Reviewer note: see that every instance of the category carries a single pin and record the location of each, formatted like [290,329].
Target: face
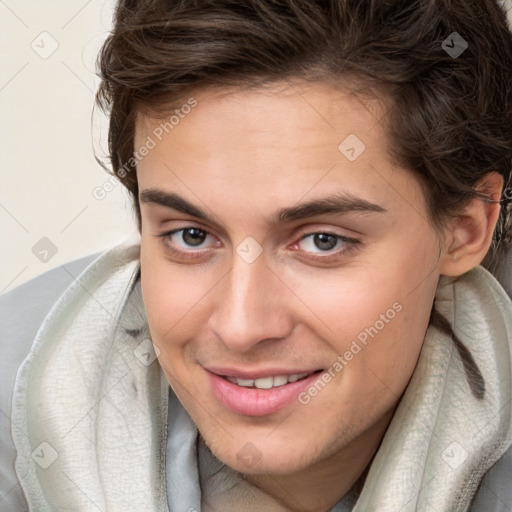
[281,324]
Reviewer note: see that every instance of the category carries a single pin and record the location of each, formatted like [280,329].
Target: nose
[251,306]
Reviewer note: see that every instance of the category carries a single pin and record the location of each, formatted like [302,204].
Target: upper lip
[240,373]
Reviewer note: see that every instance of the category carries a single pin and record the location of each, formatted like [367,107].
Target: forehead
[257,148]
[292,110]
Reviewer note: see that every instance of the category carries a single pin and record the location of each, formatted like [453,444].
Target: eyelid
[167,234]
[350,243]
[313,230]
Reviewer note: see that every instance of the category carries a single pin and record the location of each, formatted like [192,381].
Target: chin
[263,457]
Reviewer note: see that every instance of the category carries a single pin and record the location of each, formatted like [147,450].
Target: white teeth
[267,382]
[296,377]
[264,383]
[280,381]
[245,382]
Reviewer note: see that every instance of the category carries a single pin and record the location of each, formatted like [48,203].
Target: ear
[469,236]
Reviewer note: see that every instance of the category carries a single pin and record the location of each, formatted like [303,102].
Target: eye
[326,242]
[181,242]
[191,237]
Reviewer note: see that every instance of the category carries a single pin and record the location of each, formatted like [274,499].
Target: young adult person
[310,319]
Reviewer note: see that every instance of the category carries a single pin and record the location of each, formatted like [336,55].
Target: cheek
[165,297]
[375,320]
[393,336]
[174,301]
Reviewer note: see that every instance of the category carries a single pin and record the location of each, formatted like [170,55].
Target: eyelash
[350,243]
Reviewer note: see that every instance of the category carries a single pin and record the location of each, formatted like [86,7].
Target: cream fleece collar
[90,406]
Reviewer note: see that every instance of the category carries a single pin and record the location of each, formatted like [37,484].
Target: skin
[242,156]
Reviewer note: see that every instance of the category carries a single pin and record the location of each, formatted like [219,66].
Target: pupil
[193,236]
[320,241]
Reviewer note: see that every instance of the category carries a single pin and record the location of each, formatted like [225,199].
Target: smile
[268,382]
[255,395]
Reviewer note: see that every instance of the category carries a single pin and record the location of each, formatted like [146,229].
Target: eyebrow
[338,203]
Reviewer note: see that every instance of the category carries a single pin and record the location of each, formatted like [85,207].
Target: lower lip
[258,402]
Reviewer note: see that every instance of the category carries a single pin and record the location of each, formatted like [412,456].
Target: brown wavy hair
[449,121]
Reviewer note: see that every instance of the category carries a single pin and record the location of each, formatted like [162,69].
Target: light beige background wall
[48,214]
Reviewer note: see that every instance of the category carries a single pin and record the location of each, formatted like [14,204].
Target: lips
[259,393]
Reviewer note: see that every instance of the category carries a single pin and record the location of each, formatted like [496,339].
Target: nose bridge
[251,305]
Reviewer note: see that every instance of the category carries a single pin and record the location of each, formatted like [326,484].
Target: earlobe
[469,235]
